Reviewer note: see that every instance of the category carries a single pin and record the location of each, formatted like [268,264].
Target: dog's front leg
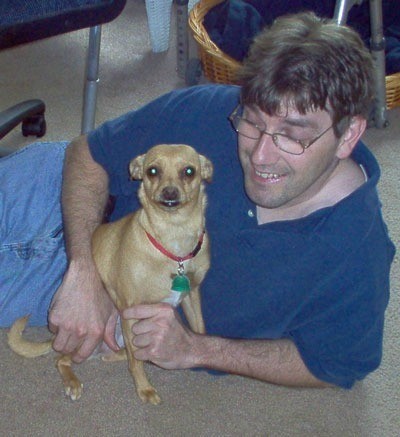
[145,390]
[192,308]
[72,385]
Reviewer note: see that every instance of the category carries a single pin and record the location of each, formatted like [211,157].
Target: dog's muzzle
[170,197]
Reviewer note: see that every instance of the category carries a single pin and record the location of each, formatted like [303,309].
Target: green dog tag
[181,284]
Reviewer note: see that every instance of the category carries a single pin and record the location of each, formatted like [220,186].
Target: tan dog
[140,256]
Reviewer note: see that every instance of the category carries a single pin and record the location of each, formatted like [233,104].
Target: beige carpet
[194,403]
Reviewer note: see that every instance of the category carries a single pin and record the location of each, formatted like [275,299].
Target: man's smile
[271,177]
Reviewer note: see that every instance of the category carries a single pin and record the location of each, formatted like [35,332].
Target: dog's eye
[189,172]
[152,171]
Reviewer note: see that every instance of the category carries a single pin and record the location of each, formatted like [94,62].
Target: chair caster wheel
[35,126]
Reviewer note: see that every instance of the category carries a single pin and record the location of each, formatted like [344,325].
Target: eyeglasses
[283,142]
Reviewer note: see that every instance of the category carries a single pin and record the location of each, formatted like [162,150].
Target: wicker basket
[218,67]
[393,91]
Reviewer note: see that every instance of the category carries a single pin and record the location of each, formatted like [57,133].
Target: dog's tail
[25,348]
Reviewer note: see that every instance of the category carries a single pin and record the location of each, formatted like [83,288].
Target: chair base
[30,113]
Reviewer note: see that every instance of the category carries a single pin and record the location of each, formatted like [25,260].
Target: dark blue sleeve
[339,330]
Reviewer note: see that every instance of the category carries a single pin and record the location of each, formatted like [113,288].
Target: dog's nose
[170,194]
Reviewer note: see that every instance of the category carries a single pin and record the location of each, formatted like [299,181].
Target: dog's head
[172,174]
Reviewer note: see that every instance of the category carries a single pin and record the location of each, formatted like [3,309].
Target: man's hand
[161,337]
[82,314]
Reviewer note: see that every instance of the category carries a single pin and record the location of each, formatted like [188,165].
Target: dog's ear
[206,168]
[136,167]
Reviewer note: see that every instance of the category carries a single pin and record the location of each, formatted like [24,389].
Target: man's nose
[265,151]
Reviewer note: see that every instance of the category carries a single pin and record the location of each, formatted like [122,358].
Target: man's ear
[351,136]
[136,167]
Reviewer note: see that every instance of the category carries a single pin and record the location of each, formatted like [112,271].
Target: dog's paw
[149,395]
[74,390]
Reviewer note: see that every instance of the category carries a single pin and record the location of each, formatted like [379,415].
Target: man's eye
[152,171]
[296,134]
[253,119]
[257,127]
[189,172]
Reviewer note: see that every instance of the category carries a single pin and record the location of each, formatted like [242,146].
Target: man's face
[276,179]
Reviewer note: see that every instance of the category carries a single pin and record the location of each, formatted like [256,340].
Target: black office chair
[23,21]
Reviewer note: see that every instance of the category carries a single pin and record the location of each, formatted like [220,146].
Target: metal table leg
[377,47]
[92,80]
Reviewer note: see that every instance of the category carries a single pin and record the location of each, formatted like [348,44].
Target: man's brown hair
[309,63]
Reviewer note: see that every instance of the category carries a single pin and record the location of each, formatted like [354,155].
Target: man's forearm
[273,361]
[81,311]
[84,196]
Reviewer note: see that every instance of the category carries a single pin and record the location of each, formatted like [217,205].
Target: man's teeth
[268,175]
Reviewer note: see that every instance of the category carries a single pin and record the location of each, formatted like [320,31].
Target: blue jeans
[32,253]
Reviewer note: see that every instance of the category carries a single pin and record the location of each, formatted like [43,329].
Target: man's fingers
[53,328]
[84,351]
[60,342]
[142,327]
[142,355]
[142,340]
[109,334]
[143,311]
